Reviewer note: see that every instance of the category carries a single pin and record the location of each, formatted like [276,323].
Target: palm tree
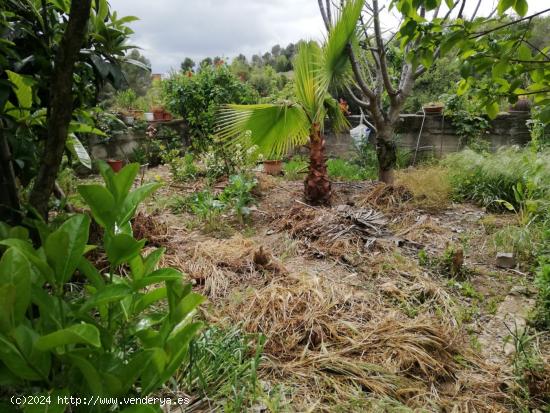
[276,128]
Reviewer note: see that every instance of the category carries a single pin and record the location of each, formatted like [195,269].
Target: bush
[198,97]
[221,160]
[105,336]
[182,168]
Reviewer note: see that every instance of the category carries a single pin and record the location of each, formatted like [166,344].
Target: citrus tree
[276,128]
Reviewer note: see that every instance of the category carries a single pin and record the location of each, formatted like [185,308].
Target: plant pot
[167,116]
[158,114]
[137,114]
[129,120]
[273,167]
[522,105]
[115,164]
[433,108]
[149,116]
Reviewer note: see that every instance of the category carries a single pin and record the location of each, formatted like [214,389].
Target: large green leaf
[101,202]
[25,338]
[65,246]
[78,150]
[90,373]
[23,92]
[158,276]
[336,62]
[274,128]
[15,274]
[15,362]
[132,201]
[108,294]
[121,248]
[75,334]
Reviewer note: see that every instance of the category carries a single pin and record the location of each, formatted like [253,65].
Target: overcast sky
[170,30]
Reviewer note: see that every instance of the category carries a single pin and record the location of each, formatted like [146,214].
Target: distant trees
[187,65]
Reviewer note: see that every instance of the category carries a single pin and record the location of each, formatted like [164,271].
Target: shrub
[107,336]
[198,97]
[182,168]
[221,160]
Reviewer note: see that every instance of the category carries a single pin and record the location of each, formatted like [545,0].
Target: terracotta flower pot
[433,108]
[115,164]
[167,116]
[273,167]
[158,114]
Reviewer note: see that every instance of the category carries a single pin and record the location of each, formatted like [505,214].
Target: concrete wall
[121,146]
[438,136]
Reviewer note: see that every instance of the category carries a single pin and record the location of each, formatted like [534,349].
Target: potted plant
[273,166]
[433,107]
[115,164]
[522,105]
[158,113]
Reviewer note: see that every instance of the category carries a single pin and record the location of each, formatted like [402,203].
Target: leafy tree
[187,65]
[206,62]
[424,36]
[51,70]
[197,98]
[275,128]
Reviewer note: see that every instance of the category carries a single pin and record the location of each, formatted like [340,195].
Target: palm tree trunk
[317,188]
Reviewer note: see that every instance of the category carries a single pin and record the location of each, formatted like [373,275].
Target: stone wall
[438,135]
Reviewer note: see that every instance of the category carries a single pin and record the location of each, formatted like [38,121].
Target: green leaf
[499,69]
[50,407]
[23,91]
[25,338]
[15,273]
[521,7]
[121,248]
[275,129]
[75,334]
[90,373]
[15,362]
[504,5]
[133,200]
[185,308]
[158,276]
[524,52]
[101,202]
[65,246]
[108,294]
[78,150]
[492,109]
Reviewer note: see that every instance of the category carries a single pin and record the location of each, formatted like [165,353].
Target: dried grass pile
[217,265]
[327,340]
[386,197]
[149,227]
[334,231]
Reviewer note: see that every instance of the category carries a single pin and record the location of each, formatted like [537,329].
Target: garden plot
[353,319]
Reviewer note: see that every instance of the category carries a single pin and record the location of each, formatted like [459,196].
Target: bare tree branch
[382,52]
[324,14]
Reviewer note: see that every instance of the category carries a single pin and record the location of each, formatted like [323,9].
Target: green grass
[222,369]
[339,169]
[295,169]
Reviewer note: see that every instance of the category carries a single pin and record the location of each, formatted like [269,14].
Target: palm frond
[307,66]
[336,62]
[335,114]
[274,128]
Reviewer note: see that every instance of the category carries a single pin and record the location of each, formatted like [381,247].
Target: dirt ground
[357,318]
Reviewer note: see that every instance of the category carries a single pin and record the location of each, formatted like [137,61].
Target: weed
[429,184]
[182,168]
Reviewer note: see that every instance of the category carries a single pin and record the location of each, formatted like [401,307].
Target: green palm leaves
[276,128]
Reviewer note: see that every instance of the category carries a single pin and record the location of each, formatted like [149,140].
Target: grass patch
[295,169]
[222,369]
[429,184]
[342,170]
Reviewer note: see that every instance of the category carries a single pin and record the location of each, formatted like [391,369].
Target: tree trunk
[9,196]
[386,152]
[317,188]
[61,104]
